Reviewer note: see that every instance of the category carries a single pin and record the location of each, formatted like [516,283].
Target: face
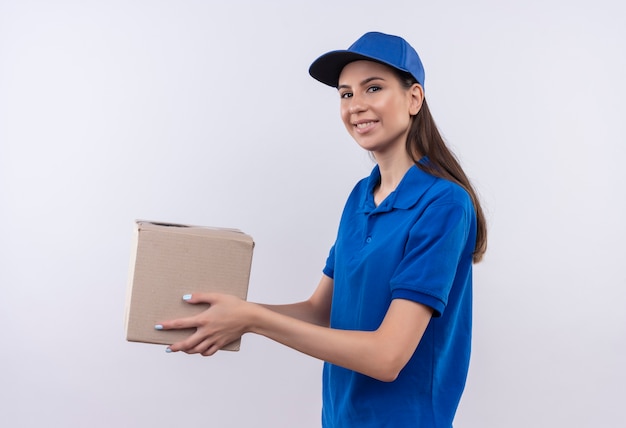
[375,108]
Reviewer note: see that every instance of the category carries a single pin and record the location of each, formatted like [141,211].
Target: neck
[392,170]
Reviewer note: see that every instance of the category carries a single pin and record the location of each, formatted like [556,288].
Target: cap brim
[327,67]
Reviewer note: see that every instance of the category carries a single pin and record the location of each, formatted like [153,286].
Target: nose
[357,104]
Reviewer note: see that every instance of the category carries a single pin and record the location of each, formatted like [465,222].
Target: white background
[203,112]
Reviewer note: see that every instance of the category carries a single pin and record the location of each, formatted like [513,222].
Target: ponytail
[424,139]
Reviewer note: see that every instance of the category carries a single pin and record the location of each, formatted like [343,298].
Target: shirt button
[368,239]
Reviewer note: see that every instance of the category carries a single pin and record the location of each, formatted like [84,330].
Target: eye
[345,94]
[374,88]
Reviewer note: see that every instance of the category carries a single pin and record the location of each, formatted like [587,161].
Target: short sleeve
[436,244]
[329,268]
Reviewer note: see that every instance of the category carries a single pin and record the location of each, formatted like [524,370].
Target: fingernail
[158,327]
[168,350]
[187,297]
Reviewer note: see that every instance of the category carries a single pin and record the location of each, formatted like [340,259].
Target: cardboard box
[171,260]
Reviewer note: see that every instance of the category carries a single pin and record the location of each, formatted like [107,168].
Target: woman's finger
[210,351]
[177,324]
[199,298]
[204,346]
[194,344]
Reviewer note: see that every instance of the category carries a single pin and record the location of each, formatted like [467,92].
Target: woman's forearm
[304,311]
[380,354]
[315,310]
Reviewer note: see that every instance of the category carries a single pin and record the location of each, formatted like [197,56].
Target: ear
[416,93]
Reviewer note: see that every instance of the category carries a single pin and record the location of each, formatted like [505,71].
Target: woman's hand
[222,323]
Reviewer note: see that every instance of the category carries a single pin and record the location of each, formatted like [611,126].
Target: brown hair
[424,139]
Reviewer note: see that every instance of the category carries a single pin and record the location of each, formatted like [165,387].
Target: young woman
[391,316]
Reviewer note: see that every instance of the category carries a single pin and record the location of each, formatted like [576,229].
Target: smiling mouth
[363,125]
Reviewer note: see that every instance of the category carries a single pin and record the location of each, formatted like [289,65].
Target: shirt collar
[411,188]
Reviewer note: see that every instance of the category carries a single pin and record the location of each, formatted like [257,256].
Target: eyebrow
[364,82]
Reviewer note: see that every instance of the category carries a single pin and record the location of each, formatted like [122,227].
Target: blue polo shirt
[416,245]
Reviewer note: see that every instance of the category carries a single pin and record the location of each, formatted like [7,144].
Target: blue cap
[390,50]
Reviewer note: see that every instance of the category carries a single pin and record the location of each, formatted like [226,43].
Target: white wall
[203,112]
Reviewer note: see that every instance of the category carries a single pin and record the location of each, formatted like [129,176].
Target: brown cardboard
[171,260]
